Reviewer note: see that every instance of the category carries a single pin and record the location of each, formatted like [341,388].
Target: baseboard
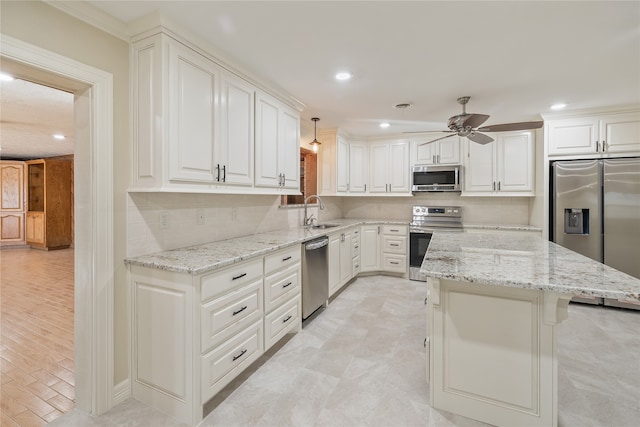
[121,392]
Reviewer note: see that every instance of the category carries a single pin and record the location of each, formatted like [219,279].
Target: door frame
[93,254]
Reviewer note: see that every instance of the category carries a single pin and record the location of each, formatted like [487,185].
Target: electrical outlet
[200,216]
[164,220]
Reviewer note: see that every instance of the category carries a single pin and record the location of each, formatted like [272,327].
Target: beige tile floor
[36,344]
[360,362]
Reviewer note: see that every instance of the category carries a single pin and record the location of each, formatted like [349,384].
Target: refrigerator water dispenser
[576,221]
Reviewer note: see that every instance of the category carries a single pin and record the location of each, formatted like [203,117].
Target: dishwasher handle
[316,244]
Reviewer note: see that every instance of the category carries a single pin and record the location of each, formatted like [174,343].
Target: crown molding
[93,16]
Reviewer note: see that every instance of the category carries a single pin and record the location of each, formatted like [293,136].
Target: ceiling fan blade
[429,131]
[512,126]
[437,139]
[480,138]
[474,120]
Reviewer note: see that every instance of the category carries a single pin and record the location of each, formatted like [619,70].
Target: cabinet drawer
[225,362]
[281,259]
[394,263]
[356,246]
[281,286]
[394,230]
[281,321]
[236,275]
[356,265]
[223,316]
[394,244]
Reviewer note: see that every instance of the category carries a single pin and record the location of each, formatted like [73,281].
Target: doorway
[93,211]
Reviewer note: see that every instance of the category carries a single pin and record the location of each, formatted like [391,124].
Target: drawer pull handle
[394,230]
[240,311]
[394,263]
[357,246]
[240,355]
[287,285]
[286,319]
[286,259]
[238,276]
[393,244]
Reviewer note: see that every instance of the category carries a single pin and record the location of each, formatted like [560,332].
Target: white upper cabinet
[193,82]
[389,167]
[342,164]
[234,160]
[277,144]
[358,170]
[444,152]
[595,135]
[505,167]
[195,125]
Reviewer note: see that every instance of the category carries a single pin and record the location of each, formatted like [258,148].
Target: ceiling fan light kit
[466,125]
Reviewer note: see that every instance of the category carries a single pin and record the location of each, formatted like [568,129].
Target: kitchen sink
[323,226]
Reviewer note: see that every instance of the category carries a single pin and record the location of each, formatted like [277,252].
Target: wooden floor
[36,347]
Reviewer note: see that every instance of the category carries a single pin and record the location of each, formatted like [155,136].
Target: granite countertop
[502,227]
[523,260]
[207,257]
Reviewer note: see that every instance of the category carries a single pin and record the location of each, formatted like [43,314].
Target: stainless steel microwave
[436,178]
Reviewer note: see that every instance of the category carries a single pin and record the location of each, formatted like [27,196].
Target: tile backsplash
[163,221]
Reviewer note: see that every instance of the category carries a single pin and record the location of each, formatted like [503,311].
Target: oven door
[418,244]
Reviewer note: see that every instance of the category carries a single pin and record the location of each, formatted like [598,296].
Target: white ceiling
[30,114]
[513,58]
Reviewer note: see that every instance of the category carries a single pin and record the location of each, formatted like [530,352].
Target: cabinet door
[35,231]
[398,167]
[12,183]
[449,151]
[334,262]
[426,153]
[369,248]
[479,166]
[378,156]
[515,162]
[235,147]
[12,227]
[357,167]
[267,115]
[573,136]
[346,260]
[193,81]
[342,164]
[620,133]
[289,148]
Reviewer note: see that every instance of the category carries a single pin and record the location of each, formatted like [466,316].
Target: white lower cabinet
[193,334]
[340,260]
[370,248]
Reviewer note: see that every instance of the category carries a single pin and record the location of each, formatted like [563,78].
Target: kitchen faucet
[308,221]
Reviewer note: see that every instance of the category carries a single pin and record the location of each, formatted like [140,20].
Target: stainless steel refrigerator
[596,212]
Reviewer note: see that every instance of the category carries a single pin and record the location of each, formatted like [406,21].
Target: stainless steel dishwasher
[315,275]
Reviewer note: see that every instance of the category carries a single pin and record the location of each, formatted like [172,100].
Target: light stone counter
[524,260]
[207,257]
[494,302]
[496,227]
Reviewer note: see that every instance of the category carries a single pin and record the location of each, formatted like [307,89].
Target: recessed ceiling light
[385,125]
[558,106]
[6,77]
[59,136]
[344,75]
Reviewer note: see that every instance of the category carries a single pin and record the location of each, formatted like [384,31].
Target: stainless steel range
[426,220]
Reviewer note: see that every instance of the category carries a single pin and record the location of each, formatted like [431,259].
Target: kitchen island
[493,303]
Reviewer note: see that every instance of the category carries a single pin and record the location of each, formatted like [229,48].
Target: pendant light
[315,144]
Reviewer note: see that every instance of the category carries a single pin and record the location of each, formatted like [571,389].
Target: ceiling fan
[466,125]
